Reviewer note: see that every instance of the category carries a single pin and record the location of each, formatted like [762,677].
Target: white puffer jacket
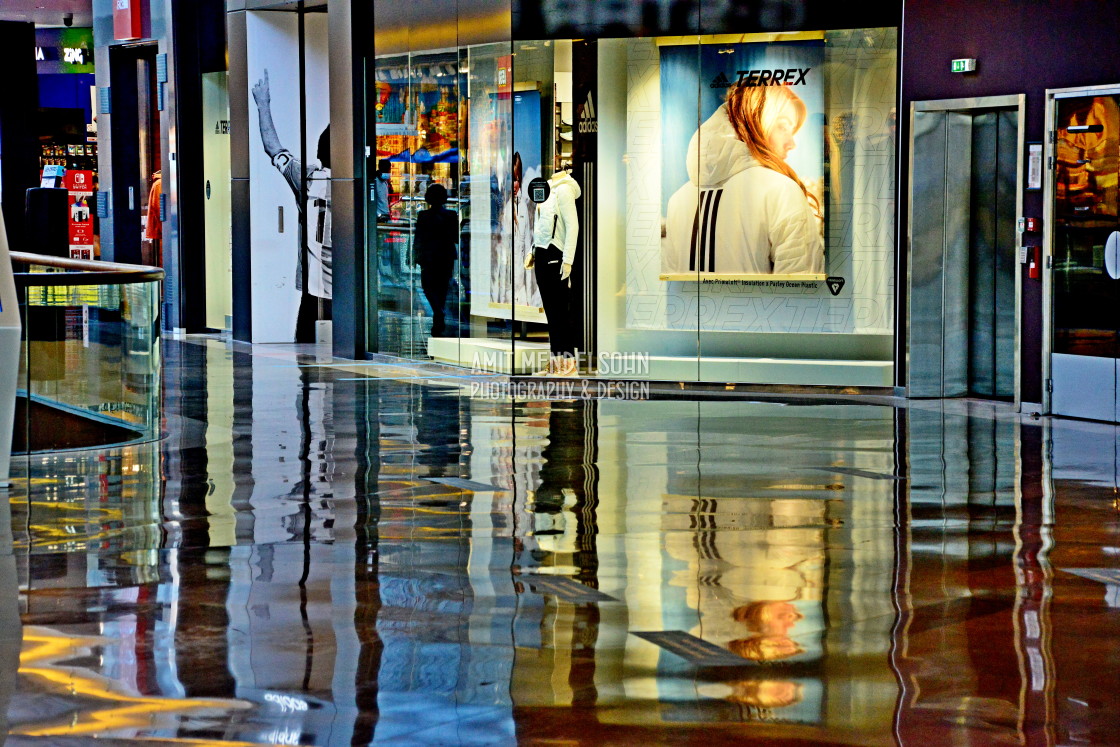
[737,216]
[557,221]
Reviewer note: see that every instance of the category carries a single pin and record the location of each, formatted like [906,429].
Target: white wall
[216,172]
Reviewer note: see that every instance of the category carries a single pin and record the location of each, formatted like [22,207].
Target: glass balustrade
[89,354]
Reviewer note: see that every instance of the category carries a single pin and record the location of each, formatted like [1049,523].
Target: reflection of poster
[506,127]
[526,167]
[1088,136]
[743,195]
[501,200]
[762,598]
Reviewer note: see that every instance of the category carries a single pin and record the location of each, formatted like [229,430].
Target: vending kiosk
[9,354]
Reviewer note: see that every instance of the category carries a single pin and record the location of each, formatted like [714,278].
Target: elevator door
[1085,360]
[962,254]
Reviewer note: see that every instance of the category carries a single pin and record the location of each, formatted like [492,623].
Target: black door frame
[124,132]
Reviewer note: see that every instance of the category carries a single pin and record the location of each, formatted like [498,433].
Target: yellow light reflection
[43,649]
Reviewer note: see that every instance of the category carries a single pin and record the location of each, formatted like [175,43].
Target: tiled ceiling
[47,12]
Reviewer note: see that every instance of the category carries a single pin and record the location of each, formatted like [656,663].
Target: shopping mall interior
[559,372]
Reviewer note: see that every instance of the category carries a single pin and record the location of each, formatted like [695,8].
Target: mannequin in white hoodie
[744,210]
[555,237]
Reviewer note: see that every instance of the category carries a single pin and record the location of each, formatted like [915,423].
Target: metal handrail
[81,272]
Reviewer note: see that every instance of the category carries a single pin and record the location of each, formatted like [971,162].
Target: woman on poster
[744,210]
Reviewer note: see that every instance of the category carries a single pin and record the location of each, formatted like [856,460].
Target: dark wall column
[585,164]
[19,146]
[350,25]
[123,161]
[237,40]
[199,47]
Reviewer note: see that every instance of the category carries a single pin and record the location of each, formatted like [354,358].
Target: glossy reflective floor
[323,554]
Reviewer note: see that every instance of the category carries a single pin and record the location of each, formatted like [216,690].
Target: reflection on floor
[343,555]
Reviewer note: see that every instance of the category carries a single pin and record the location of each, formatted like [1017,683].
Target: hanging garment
[154,227]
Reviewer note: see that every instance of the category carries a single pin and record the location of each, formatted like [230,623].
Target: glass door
[1086,257]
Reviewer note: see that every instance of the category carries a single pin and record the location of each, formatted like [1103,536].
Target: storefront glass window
[789,237]
[715,208]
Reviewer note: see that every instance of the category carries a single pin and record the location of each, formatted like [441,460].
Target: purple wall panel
[1022,46]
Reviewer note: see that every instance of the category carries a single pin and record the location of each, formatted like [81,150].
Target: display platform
[493,356]
[781,371]
[498,356]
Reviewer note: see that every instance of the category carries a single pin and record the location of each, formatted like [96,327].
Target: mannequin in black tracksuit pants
[555,237]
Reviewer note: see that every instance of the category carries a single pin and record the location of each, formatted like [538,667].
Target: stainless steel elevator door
[992,261]
[962,254]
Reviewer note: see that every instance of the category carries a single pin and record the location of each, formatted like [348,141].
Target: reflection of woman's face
[782,617]
[767,693]
[778,647]
[768,618]
[765,647]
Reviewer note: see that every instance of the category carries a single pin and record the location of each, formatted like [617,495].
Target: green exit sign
[964,66]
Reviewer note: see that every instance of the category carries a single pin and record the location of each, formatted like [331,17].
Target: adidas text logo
[587,119]
[720,81]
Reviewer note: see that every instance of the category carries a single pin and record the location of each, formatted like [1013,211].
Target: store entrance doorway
[1084,235]
[136,155]
[964,288]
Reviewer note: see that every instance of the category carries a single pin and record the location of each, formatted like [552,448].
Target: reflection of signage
[505,76]
[406,130]
[127,19]
[221,127]
[80,186]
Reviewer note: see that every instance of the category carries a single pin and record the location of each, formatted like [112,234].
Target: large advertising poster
[79,185]
[743,195]
[526,166]
[289,177]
